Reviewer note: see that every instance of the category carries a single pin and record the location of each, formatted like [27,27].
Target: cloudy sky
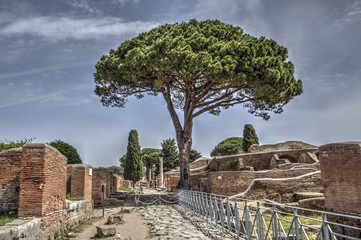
[49,49]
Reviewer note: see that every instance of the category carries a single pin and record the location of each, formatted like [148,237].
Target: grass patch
[130,190]
[6,217]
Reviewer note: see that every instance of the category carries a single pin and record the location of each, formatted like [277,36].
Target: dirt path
[134,226]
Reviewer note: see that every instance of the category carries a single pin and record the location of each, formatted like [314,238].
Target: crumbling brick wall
[80,181]
[340,165]
[42,180]
[10,161]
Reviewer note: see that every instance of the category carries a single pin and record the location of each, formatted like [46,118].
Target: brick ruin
[42,180]
[35,181]
[80,181]
[262,173]
[10,161]
[340,174]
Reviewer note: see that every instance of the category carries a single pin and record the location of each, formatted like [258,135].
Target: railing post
[202,203]
[210,209]
[295,219]
[193,205]
[275,223]
[216,217]
[247,220]
[221,213]
[228,212]
[237,220]
[259,223]
[325,233]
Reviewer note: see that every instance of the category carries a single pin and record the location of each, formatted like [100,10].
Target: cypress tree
[170,154]
[249,137]
[133,169]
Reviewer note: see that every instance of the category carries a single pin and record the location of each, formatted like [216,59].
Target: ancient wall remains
[79,181]
[10,161]
[258,161]
[288,145]
[101,177]
[200,162]
[42,180]
[231,182]
[284,189]
[171,180]
[340,165]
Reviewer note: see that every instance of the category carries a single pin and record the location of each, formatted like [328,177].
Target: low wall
[231,182]
[47,226]
[62,220]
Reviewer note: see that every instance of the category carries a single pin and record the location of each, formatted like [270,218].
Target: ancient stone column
[150,174]
[161,180]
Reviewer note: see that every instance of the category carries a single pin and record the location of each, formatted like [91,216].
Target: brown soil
[134,226]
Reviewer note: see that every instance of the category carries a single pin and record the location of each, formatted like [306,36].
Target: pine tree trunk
[185,144]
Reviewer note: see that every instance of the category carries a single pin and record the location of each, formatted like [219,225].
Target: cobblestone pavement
[175,222]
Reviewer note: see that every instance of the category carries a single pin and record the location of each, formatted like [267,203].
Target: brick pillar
[80,181]
[42,180]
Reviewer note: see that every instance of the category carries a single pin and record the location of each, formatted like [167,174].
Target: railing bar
[343,225]
[344,236]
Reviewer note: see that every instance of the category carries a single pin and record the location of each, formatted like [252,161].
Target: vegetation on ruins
[133,168]
[249,137]
[150,158]
[228,146]
[67,150]
[116,170]
[5,145]
[194,155]
[170,154]
[6,217]
[198,67]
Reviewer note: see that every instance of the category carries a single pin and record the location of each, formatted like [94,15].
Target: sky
[48,50]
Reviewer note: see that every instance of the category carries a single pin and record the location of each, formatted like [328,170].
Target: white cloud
[353,15]
[64,28]
[83,4]
[63,97]
[123,2]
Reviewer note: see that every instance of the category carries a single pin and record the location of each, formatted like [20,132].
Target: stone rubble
[167,222]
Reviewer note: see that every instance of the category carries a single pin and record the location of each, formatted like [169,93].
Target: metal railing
[250,219]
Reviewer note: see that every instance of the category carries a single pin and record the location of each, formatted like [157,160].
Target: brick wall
[80,181]
[42,180]
[101,176]
[340,165]
[171,180]
[10,161]
[231,182]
